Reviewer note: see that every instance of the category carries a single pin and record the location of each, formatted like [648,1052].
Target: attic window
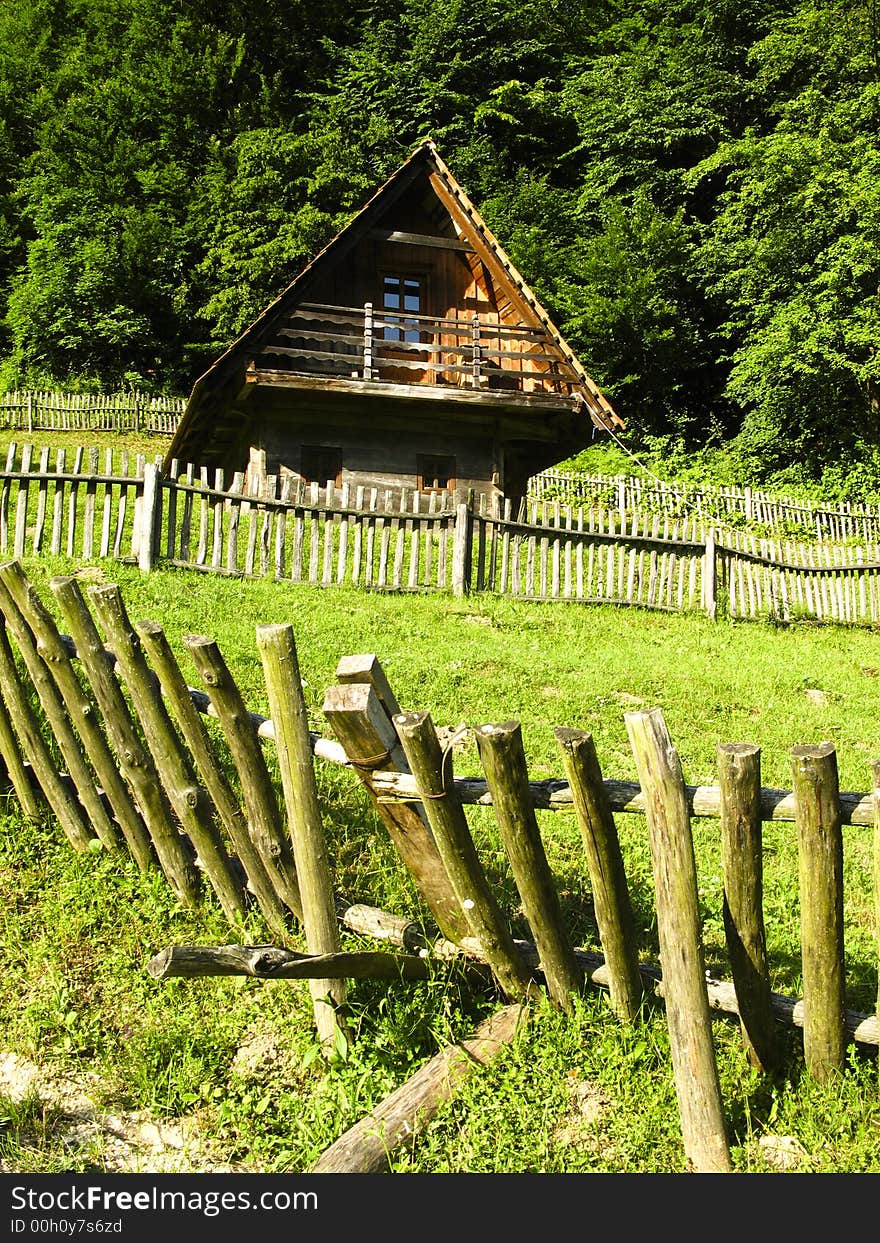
[401,293]
[436,474]
[321,464]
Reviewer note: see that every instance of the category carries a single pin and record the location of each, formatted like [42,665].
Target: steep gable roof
[225,375]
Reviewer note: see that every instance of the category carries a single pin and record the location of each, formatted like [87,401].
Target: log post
[57,793]
[710,577]
[264,819]
[56,654]
[501,753]
[187,797]
[150,516]
[59,720]
[360,722]
[607,875]
[16,769]
[461,547]
[739,781]
[287,708]
[681,949]
[452,835]
[189,719]
[820,865]
[366,1147]
[134,760]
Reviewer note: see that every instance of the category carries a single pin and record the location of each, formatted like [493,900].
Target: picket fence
[712,504]
[94,504]
[43,410]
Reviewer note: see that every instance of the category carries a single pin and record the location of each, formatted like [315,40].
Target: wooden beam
[421,239]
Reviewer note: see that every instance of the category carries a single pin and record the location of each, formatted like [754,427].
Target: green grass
[238,1058]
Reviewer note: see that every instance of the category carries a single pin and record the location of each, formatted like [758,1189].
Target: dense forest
[692,187]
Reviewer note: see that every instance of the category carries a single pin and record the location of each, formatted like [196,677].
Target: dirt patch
[131,1143]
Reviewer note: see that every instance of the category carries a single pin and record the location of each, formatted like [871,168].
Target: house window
[321,464]
[436,474]
[402,293]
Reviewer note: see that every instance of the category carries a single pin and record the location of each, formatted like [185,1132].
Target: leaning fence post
[360,712]
[452,835]
[820,864]
[293,746]
[504,763]
[607,875]
[150,517]
[681,948]
[739,781]
[264,819]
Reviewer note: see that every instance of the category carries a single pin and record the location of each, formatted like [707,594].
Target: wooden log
[189,719]
[607,874]
[554,794]
[80,709]
[360,714]
[264,819]
[133,758]
[59,722]
[739,780]
[455,845]
[16,769]
[268,962]
[188,799]
[287,706]
[365,1147]
[503,758]
[820,867]
[678,924]
[58,794]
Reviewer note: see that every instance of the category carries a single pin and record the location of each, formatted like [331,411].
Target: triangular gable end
[421,207]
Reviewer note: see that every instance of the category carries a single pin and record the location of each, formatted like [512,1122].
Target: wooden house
[409,353]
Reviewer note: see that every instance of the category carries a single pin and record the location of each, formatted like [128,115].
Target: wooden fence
[712,504]
[93,503]
[84,735]
[93,412]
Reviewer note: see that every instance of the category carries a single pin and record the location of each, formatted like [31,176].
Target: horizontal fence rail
[94,412]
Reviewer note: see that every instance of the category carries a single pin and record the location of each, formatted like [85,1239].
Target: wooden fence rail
[172,806]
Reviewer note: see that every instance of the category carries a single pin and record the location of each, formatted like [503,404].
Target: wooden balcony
[471,356]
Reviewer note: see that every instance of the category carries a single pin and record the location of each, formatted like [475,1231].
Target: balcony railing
[404,348]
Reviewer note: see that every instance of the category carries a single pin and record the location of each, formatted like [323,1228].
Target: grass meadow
[237,1060]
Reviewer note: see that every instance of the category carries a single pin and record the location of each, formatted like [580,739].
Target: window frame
[406,335]
[423,470]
